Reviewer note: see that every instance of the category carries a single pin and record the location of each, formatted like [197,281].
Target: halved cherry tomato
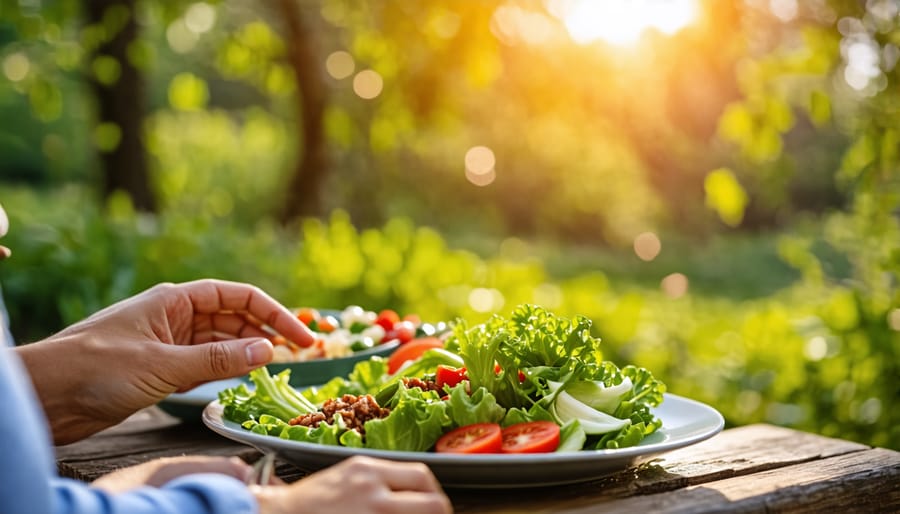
[531,437]
[449,376]
[404,331]
[308,315]
[387,318]
[412,351]
[477,438]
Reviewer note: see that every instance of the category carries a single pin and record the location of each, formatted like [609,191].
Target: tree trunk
[304,190]
[124,168]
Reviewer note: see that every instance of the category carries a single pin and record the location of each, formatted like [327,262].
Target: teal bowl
[319,371]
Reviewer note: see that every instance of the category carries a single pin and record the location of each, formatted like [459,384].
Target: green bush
[818,355]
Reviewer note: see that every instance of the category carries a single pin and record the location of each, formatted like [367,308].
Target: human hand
[158,472]
[167,339]
[360,485]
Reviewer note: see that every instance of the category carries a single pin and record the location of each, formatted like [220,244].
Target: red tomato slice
[449,376]
[411,351]
[477,438]
[531,437]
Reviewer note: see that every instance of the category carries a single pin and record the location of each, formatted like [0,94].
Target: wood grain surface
[755,468]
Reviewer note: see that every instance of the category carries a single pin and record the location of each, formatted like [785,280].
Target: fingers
[378,486]
[403,502]
[214,296]
[220,326]
[405,476]
[158,472]
[218,360]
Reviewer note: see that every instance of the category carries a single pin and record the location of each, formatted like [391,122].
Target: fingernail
[259,352]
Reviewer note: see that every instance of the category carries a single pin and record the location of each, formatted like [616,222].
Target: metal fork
[262,469]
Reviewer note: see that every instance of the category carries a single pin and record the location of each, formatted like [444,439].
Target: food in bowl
[343,333]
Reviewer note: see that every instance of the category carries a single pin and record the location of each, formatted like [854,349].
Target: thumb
[223,359]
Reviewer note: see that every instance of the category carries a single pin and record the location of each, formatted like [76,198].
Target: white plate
[685,422]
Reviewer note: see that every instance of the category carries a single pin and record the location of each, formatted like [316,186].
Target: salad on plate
[533,382]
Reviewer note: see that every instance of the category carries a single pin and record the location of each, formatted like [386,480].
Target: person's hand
[167,339]
[360,485]
[158,472]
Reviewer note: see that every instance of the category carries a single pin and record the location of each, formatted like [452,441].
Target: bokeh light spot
[484,179]
[200,17]
[893,319]
[869,411]
[340,64]
[485,300]
[16,66]
[675,285]
[107,136]
[816,348]
[181,39]
[548,295]
[480,160]
[784,10]
[647,246]
[480,163]
[368,84]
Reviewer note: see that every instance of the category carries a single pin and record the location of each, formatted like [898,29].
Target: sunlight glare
[622,22]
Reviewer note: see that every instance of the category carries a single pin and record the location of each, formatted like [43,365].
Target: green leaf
[480,407]
[415,424]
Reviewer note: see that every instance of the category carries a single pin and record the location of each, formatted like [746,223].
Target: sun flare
[622,22]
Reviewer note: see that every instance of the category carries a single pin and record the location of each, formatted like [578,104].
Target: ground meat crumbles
[355,411]
[425,385]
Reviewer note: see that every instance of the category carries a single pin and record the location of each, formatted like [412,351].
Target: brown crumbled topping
[425,385]
[355,411]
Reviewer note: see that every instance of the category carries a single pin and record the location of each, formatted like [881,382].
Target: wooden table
[754,468]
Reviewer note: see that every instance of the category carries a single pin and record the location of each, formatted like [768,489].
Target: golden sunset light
[622,22]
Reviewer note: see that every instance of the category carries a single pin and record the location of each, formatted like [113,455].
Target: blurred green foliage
[815,354]
[763,152]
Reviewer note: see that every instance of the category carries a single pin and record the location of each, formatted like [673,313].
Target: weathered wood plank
[735,452]
[867,481]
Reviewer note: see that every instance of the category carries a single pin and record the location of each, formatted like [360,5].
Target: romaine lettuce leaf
[418,418]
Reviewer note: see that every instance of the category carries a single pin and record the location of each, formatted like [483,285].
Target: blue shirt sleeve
[29,483]
[199,493]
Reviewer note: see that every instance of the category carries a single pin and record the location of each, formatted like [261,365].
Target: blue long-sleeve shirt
[29,483]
